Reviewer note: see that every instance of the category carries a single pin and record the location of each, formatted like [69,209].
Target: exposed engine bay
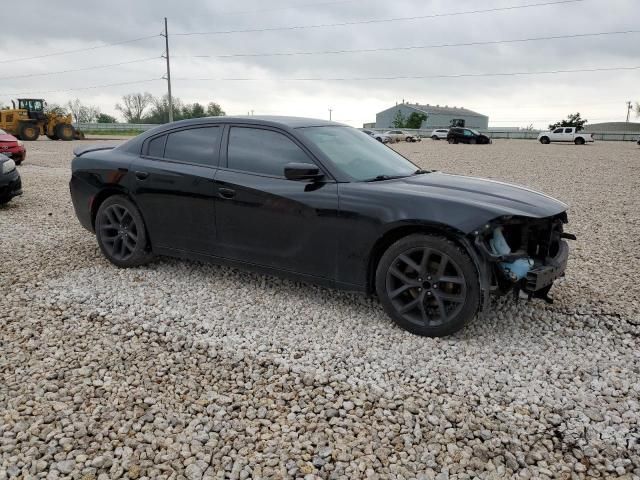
[526,255]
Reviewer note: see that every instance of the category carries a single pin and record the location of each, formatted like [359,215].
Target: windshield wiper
[420,172]
[380,178]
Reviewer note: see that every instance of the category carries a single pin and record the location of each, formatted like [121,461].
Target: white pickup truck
[565,134]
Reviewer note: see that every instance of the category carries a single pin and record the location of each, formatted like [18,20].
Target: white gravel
[186,370]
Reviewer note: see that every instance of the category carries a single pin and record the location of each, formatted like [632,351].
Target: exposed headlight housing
[8,166]
[20,143]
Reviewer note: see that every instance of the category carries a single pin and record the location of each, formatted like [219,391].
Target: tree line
[137,108]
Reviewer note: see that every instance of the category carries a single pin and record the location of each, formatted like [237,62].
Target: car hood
[499,198]
[5,137]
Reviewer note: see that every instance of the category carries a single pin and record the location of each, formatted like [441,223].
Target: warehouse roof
[446,110]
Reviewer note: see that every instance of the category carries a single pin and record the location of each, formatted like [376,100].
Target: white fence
[506,133]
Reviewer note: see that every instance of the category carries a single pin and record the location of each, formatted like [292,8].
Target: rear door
[265,219]
[174,187]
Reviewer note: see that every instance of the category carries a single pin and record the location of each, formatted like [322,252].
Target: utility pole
[330,110]
[629,107]
[168,75]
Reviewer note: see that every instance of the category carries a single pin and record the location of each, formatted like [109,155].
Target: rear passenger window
[195,145]
[156,147]
[567,130]
[261,151]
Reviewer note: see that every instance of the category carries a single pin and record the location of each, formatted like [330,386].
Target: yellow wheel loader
[29,121]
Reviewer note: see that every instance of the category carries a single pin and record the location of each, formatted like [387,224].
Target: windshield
[475,132]
[358,155]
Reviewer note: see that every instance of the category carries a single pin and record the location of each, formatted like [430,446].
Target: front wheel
[452,140]
[545,141]
[428,285]
[64,132]
[121,232]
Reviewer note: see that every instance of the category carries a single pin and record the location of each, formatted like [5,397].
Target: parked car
[439,134]
[402,136]
[565,134]
[11,147]
[467,135]
[378,136]
[318,201]
[10,182]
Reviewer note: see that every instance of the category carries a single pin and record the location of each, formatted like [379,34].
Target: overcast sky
[48,27]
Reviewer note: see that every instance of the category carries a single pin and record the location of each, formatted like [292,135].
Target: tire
[545,141]
[406,281]
[64,132]
[29,132]
[52,137]
[409,139]
[452,141]
[121,233]
[379,139]
[579,141]
[435,137]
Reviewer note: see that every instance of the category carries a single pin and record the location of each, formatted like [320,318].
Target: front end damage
[522,255]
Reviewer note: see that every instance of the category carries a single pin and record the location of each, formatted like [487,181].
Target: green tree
[104,118]
[415,120]
[572,120]
[398,120]
[215,110]
[159,112]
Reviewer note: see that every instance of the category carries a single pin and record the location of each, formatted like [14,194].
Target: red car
[11,147]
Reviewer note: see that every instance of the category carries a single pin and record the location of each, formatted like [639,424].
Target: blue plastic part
[517,269]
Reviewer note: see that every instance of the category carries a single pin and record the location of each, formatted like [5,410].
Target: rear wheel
[579,141]
[52,137]
[545,141]
[452,140]
[428,285]
[434,137]
[29,132]
[121,233]
[64,131]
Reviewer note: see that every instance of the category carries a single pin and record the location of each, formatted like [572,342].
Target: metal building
[437,116]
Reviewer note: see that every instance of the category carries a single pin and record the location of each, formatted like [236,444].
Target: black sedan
[10,182]
[467,135]
[325,203]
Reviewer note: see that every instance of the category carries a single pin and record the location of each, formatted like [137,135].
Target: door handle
[142,175]
[226,193]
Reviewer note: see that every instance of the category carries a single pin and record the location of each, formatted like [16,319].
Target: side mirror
[302,171]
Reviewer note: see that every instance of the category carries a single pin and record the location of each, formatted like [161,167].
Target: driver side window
[558,130]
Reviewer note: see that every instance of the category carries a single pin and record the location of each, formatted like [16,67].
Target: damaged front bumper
[533,257]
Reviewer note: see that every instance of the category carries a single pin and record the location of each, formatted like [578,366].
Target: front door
[174,188]
[264,219]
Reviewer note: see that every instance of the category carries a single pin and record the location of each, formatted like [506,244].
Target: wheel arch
[400,231]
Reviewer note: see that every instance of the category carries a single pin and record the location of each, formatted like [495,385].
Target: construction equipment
[29,121]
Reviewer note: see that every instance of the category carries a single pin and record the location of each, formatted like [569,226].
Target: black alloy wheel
[428,285]
[121,233]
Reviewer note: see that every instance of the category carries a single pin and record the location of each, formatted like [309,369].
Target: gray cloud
[517,100]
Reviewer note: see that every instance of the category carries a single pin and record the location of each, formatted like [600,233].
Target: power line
[66,52]
[96,67]
[419,77]
[82,88]
[383,20]
[412,47]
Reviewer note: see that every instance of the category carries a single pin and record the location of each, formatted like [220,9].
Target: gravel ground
[186,370]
